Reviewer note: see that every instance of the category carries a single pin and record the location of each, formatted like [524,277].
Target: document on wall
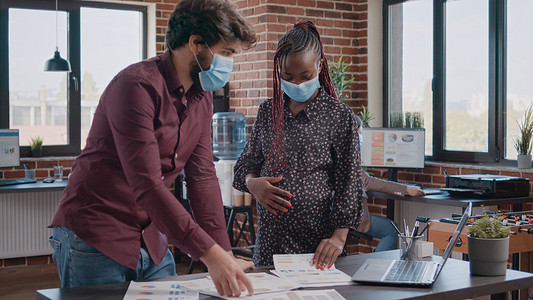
[159,290]
[299,268]
[263,283]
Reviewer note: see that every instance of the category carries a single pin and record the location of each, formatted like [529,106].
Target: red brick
[422,178]
[470,171]
[161,6]
[343,6]
[14,174]
[360,7]
[432,170]
[307,3]
[517,174]
[325,4]
[405,176]
[439,179]
[360,25]
[10,262]
[276,9]
[332,14]
[38,260]
[314,12]
[355,16]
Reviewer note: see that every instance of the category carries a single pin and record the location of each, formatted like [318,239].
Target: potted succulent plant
[488,246]
[523,143]
[36,145]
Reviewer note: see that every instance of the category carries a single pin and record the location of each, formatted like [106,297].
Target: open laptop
[409,273]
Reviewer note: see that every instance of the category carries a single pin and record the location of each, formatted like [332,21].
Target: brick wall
[343,28]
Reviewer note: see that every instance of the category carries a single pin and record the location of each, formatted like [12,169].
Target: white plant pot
[523,161]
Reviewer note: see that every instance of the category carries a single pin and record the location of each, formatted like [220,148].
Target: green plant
[396,119]
[523,143]
[366,116]
[399,119]
[489,227]
[341,81]
[36,143]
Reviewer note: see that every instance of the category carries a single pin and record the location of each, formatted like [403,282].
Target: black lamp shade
[57,63]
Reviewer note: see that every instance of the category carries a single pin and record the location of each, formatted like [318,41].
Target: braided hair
[304,37]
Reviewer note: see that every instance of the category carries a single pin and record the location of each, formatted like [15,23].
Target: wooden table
[454,282]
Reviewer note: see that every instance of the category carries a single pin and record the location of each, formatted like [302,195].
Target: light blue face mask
[218,74]
[360,140]
[300,92]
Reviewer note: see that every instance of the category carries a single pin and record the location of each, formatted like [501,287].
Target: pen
[423,230]
[415,230]
[398,231]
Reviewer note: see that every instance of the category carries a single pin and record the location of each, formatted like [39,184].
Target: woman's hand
[268,195]
[414,191]
[329,249]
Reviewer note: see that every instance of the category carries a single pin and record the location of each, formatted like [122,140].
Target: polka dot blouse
[324,176]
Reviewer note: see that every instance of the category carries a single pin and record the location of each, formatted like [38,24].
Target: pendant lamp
[56,63]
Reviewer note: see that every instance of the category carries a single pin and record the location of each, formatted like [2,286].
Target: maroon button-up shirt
[145,131]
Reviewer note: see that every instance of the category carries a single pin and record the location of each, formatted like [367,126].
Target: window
[480,65]
[99,39]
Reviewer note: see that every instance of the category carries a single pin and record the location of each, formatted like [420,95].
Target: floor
[20,283]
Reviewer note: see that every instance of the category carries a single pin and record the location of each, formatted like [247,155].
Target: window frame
[497,84]
[73,10]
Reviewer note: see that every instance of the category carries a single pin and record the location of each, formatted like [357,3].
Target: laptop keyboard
[16,181]
[406,271]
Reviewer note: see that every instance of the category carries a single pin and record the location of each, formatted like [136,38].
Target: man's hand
[226,272]
[268,195]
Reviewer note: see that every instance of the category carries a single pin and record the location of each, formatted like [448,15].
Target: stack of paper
[263,283]
[159,290]
[299,268]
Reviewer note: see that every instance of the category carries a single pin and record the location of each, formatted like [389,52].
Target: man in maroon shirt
[154,120]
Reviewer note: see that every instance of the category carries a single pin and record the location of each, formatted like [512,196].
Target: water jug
[229,134]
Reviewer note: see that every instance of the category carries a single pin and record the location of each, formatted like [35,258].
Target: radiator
[24,218]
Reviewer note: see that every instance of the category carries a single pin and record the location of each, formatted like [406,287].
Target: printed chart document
[299,268]
[302,295]
[263,283]
[159,290]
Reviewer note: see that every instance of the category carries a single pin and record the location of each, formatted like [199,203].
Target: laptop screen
[455,236]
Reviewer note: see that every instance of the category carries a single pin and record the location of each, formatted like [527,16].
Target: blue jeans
[79,264]
[382,229]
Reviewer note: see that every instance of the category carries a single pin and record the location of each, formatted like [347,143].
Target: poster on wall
[9,148]
[393,147]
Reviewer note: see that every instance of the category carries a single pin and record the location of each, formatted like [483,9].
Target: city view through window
[110,41]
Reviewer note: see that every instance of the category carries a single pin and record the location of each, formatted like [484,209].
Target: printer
[488,185]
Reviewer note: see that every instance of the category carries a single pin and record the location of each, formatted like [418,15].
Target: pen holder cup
[408,248]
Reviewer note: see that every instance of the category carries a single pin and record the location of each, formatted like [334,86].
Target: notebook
[408,273]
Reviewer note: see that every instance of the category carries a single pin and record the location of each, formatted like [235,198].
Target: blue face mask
[218,74]
[360,140]
[300,92]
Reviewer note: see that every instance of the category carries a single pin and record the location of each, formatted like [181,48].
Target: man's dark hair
[213,20]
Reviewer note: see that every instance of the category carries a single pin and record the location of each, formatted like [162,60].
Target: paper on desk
[299,268]
[159,290]
[302,295]
[262,282]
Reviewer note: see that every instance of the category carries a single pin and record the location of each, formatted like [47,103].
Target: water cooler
[229,139]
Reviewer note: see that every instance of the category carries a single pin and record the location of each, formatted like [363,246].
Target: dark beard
[195,69]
